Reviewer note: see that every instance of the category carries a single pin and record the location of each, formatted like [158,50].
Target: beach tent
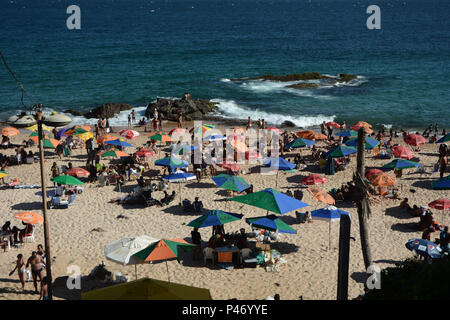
[148,289]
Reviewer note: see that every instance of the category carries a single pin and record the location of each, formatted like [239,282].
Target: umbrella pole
[179,191]
[168,277]
[329,235]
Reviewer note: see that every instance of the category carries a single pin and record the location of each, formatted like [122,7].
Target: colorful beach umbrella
[183,149]
[78,172]
[314,179]
[171,162]
[414,140]
[106,137]
[445,138]
[178,132]
[424,248]
[9,131]
[279,164]
[34,127]
[341,151]
[368,145]
[30,217]
[300,143]
[228,182]
[66,179]
[271,200]
[47,142]
[382,180]
[443,183]
[400,164]
[271,223]
[160,136]
[129,134]
[321,195]
[366,129]
[214,218]
[201,129]
[3,174]
[274,129]
[119,143]
[215,137]
[363,124]
[179,177]
[347,133]
[115,153]
[311,135]
[144,153]
[122,251]
[85,136]
[148,289]
[163,249]
[402,152]
[234,167]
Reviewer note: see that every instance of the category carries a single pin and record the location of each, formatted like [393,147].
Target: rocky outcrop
[193,109]
[107,110]
[288,124]
[303,85]
[342,77]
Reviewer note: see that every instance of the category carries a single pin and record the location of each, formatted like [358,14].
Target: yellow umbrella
[3,174]
[35,128]
[148,289]
[85,136]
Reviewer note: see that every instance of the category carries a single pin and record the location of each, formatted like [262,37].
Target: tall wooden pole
[344,253]
[44,208]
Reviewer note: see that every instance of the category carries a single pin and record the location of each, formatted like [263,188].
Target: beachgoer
[198,205]
[197,240]
[55,172]
[37,267]
[44,289]
[20,267]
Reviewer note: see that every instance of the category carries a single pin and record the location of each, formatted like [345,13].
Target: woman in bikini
[20,266]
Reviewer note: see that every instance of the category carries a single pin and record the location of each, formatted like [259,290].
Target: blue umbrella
[182,149]
[61,132]
[424,248]
[347,133]
[279,164]
[171,162]
[369,145]
[272,223]
[214,218]
[341,151]
[179,177]
[231,182]
[444,138]
[214,137]
[300,143]
[400,164]
[118,142]
[329,213]
[443,183]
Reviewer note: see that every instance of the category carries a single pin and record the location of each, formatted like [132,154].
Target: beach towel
[26,186]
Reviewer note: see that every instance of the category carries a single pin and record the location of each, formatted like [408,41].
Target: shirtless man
[37,267]
[20,266]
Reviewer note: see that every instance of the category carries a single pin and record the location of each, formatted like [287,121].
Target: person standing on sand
[129,120]
[44,289]
[20,267]
[133,116]
[442,165]
[37,267]
[249,123]
[180,119]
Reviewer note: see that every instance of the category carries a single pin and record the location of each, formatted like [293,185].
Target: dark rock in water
[344,77]
[288,123]
[194,109]
[303,85]
[108,110]
[74,112]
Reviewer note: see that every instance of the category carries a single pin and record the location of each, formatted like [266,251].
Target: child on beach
[20,267]
[44,289]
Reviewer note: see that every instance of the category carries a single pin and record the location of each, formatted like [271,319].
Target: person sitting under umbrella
[242,239]
[198,205]
[197,240]
[21,232]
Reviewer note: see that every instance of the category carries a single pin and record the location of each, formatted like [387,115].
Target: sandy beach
[311,269]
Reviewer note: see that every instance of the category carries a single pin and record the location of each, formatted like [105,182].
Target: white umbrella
[122,251]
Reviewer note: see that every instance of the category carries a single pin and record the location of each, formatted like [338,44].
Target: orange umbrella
[29,217]
[163,249]
[382,180]
[106,137]
[47,141]
[366,129]
[160,136]
[78,172]
[321,195]
[311,135]
[9,131]
[362,124]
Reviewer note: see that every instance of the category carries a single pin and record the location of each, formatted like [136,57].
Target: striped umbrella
[47,141]
[119,143]
[271,223]
[400,164]
[171,162]
[115,153]
[341,151]
[160,136]
[300,143]
[106,137]
[347,133]
[201,129]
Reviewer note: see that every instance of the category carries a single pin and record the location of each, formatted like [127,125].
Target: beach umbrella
[3,174]
[171,162]
[311,135]
[201,129]
[179,177]
[274,129]
[443,183]
[371,172]
[321,195]
[333,124]
[414,139]
[440,204]
[228,182]
[279,164]
[215,137]
[271,223]
[144,153]
[214,218]
[85,136]
[119,143]
[115,153]
[9,131]
[252,155]
[300,143]
[183,149]
[271,200]
[234,167]
[29,217]
[400,164]
[369,144]
[106,137]
[347,133]
[424,248]
[160,136]
[78,172]
[341,151]
[329,213]
[314,179]
[129,134]
[366,129]
[363,124]
[163,250]
[66,179]
[148,289]
[122,251]
[382,180]
[47,141]
[402,152]
[239,131]
[34,127]
[445,138]
[178,132]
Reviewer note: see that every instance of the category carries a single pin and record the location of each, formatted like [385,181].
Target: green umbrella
[400,164]
[271,223]
[214,218]
[69,180]
[228,182]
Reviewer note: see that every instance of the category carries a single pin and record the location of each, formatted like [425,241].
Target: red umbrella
[314,179]
[415,140]
[253,155]
[144,153]
[372,172]
[78,172]
[229,166]
[440,204]
[274,129]
[333,124]
[129,134]
[402,152]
